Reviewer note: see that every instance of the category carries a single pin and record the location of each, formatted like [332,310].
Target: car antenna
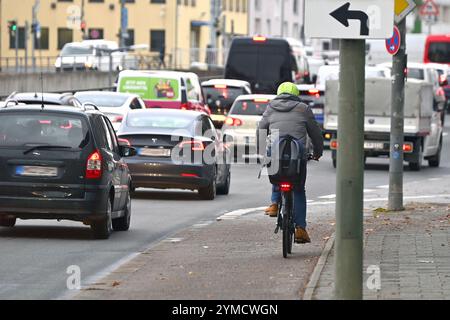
[42,91]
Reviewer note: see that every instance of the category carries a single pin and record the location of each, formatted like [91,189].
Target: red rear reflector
[220,86]
[195,145]
[286,187]
[334,145]
[94,166]
[259,39]
[189,175]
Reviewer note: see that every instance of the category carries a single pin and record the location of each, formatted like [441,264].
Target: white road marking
[325,203]
[173,240]
[239,213]
[331,196]
[383,187]
[435,179]
[369,190]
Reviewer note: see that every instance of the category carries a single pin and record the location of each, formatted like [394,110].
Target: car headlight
[58,63]
[88,65]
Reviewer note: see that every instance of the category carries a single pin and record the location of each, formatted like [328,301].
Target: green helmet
[288,88]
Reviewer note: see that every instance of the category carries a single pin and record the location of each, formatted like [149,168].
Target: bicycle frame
[286,217]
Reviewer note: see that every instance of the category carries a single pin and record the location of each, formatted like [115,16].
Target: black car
[176,150]
[63,163]
[54,99]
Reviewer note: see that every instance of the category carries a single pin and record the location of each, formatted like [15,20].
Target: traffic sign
[403,8]
[344,19]
[393,44]
[429,8]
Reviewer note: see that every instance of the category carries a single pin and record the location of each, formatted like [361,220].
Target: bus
[263,62]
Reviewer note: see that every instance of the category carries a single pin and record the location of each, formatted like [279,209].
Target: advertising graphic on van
[151,88]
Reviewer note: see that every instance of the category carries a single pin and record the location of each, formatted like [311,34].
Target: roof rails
[16,103]
[89,105]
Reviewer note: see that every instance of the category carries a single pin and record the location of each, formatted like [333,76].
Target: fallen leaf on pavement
[116,283]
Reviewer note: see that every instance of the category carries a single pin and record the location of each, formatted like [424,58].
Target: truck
[423,125]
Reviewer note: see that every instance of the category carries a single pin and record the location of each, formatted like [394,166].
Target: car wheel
[103,228]
[435,161]
[208,193]
[225,188]
[8,222]
[123,223]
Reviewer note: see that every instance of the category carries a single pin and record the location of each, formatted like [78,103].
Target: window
[106,135]
[296,7]
[65,35]
[43,42]
[20,33]
[157,40]
[157,1]
[95,33]
[130,40]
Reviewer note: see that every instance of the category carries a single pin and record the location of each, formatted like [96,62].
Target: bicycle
[285,220]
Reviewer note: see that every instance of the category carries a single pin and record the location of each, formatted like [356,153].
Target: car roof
[169,112]
[155,73]
[48,108]
[229,82]
[106,93]
[56,98]
[256,96]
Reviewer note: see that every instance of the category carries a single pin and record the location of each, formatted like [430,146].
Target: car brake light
[314,92]
[220,86]
[334,145]
[124,142]
[185,106]
[259,39]
[408,148]
[45,121]
[94,166]
[189,175]
[286,187]
[117,119]
[195,145]
[233,122]
[261,100]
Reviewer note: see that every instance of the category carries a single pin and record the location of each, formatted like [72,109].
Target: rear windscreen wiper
[45,147]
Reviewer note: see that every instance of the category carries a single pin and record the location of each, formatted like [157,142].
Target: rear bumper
[166,175]
[90,207]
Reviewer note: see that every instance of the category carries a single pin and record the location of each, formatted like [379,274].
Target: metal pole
[110,69]
[1,33]
[350,173]
[303,37]
[16,45]
[26,45]
[122,31]
[83,36]
[399,66]
[282,18]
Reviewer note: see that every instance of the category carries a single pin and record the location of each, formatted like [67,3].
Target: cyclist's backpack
[287,155]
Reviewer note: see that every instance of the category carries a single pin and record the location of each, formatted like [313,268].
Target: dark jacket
[287,114]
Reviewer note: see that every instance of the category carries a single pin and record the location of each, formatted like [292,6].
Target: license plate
[317,111]
[374,145]
[148,152]
[35,171]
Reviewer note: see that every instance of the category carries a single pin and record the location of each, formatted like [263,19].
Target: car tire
[7,222]
[435,161]
[123,223]
[103,228]
[208,193]
[224,189]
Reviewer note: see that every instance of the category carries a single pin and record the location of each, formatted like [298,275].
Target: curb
[314,280]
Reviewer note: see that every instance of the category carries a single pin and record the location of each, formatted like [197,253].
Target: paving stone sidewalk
[412,250]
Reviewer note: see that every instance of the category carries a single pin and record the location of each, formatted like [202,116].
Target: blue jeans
[299,204]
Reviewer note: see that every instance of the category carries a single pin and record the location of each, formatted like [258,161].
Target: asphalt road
[35,255]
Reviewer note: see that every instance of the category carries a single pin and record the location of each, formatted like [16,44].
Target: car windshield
[226,95]
[153,121]
[255,107]
[25,130]
[439,52]
[76,51]
[106,101]
[416,73]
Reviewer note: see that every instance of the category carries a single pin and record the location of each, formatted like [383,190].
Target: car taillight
[185,106]
[314,92]
[124,142]
[233,122]
[286,187]
[194,145]
[94,166]
[117,119]
[189,175]
[334,145]
[408,148]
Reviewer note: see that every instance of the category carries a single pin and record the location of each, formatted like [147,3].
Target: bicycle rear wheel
[287,224]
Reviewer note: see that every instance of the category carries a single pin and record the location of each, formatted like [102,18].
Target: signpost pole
[399,66]
[350,173]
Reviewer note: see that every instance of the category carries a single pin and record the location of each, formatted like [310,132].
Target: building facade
[278,18]
[175,26]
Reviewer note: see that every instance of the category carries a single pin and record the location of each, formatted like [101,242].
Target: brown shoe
[301,236]
[272,211]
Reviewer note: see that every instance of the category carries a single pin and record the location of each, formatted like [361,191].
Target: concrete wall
[53,82]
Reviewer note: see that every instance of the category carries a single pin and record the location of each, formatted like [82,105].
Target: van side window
[191,91]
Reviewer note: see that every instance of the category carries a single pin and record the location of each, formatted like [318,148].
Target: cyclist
[287,115]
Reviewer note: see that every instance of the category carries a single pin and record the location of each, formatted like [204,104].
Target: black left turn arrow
[343,14]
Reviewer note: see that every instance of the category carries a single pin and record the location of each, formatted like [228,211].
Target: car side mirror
[443,81]
[127,151]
